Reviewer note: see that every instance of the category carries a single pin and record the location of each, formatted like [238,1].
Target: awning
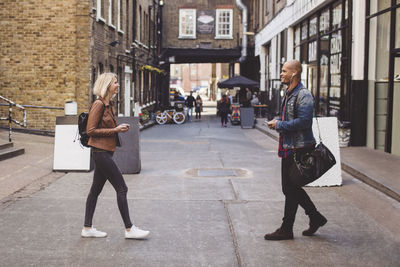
[238,81]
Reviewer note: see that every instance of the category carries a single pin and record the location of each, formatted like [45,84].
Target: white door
[127,97]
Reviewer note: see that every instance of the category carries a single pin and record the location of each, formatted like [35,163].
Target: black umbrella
[238,81]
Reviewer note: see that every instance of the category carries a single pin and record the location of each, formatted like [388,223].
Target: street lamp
[161,2]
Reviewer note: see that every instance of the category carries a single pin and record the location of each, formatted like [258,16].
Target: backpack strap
[102,114]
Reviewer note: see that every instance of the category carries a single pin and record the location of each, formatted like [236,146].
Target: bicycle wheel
[161,117]
[179,118]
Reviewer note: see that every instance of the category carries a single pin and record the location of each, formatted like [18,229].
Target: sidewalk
[375,168]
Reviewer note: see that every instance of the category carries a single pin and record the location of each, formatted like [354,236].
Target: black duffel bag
[312,165]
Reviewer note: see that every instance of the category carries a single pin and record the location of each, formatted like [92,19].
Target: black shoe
[279,234]
[315,224]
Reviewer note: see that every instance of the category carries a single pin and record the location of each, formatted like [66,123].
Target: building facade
[349,54]
[203,31]
[55,50]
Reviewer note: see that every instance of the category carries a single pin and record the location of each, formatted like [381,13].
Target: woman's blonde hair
[102,84]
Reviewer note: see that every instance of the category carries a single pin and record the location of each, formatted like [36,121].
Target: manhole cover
[213,173]
[218,173]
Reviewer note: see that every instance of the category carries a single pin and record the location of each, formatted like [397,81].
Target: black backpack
[82,124]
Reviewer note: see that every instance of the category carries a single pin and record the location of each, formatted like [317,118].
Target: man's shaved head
[291,72]
[294,65]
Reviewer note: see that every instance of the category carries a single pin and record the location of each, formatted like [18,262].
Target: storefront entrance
[383,75]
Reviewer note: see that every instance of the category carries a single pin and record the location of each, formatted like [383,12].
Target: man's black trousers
[294,195]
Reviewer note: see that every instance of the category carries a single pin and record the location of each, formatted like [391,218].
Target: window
[100,11]
[139,27]
[187,23]
[120,15]
[266,9]
[337,16]
[313,27]
[378,5]
[111,14]
[224,23]
[324,22]
[304,30]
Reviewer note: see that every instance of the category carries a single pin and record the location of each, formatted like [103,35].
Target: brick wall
[44,56]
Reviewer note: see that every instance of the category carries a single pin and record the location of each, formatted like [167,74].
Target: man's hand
[272,124]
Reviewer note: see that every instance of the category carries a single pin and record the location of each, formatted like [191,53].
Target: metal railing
[10,118]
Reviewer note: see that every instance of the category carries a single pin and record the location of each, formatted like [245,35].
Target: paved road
[208,195]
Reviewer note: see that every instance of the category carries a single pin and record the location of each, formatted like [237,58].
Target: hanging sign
[205,22]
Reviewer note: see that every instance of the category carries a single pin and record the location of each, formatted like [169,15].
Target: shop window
[335,73]
[324,22]
[224,23]
[313,27]
[378,70]
[304,32]
[379,34]
[187,23]
[303,53]
[378,5]
[296,52]
[337,16]
[312,51]
[323,84]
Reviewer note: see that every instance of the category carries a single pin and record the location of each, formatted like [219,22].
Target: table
[259,109]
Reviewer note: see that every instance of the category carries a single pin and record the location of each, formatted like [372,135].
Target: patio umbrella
[238,81]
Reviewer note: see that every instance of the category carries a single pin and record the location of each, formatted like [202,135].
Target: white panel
[127,96]
[330,138]
[69,155]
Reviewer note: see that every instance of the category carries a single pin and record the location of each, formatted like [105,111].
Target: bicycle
[169,115]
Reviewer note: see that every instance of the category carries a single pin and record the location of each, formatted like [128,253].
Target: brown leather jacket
[102,133]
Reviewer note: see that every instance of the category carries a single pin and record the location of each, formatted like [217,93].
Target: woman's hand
[122,128]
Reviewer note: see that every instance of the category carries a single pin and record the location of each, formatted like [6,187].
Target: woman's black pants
[294,196]
[224,117]
[106,169]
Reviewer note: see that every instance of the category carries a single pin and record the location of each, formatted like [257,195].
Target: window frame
[119,17]
[110,14]
[99,10]
[217,14]
[181,34]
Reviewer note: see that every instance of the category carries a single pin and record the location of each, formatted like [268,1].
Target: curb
[370,181]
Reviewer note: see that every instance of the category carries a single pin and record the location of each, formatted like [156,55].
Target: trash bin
[127,156]
[344,133]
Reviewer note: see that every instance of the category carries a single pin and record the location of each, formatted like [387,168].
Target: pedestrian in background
[103,131]
[255,100]
[199,107]
[248,98]
[190,102]
[295,131]
[224,108]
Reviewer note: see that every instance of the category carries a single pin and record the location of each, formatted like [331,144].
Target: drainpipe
[242,7]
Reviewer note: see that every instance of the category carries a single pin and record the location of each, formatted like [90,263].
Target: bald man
[295,131]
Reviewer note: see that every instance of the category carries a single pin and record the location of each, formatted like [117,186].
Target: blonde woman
[103,131]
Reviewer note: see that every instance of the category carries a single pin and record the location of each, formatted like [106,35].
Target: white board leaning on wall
[330,137]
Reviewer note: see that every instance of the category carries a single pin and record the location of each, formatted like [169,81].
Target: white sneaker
[136,233]
[92,232]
